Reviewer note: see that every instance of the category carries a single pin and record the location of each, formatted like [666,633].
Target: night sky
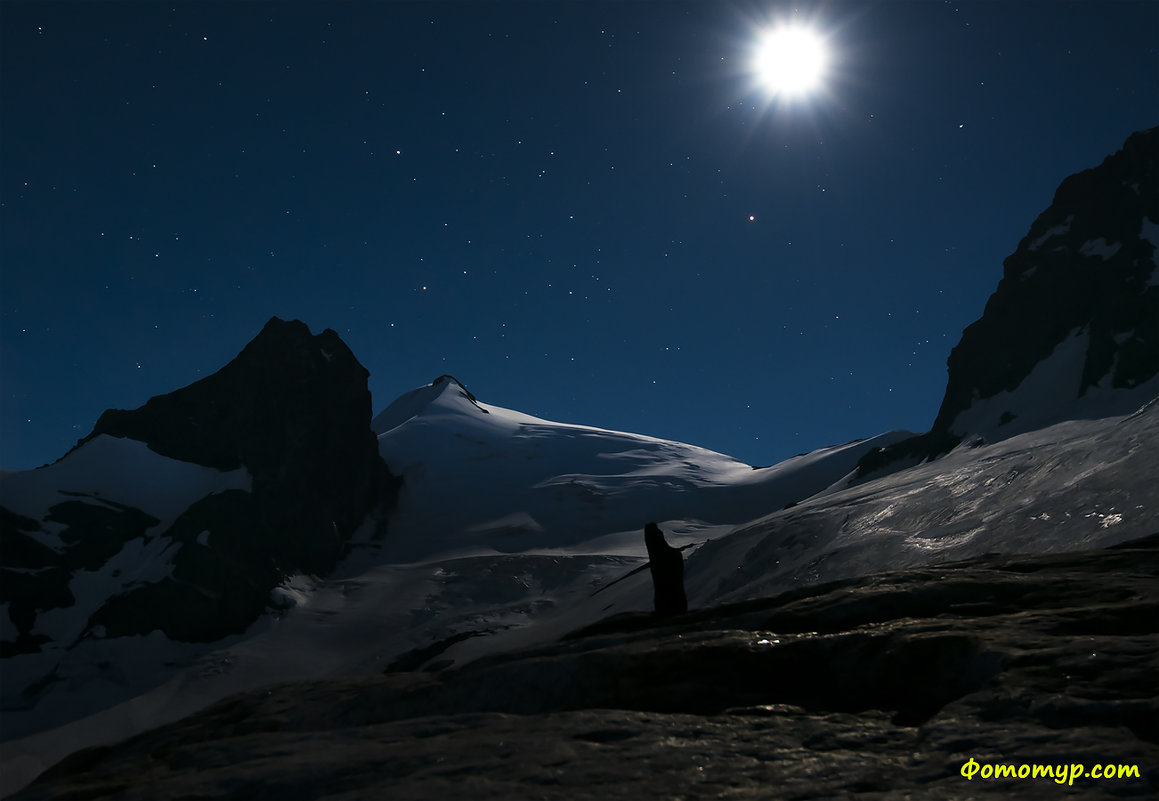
[590,212]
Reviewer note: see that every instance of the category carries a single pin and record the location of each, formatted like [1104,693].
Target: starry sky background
[589,211]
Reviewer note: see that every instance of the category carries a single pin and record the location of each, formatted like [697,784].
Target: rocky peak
[1072,329]
[294,410]
[1085,269]
[239,415]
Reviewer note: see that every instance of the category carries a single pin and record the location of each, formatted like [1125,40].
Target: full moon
[790,61]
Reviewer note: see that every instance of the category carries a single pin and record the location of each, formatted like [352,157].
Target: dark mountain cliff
[293,409]
[1086,264]
[1085,271]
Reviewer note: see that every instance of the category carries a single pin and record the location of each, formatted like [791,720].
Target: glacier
[513,531]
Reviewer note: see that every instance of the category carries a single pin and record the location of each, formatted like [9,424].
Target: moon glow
[790,61]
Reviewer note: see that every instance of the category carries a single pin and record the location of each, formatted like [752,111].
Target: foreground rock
[876,687]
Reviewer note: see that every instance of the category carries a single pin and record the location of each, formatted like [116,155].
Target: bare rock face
[1084,268]
[886,686]
[293,409]
[1072,330]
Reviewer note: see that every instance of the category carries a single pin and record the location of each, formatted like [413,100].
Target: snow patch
[293,592]
[1100,248]
[140,561]
[1150,231]
[1051,233]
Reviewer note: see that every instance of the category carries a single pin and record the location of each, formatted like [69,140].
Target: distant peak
[276,326]
[450,379]
[416,402]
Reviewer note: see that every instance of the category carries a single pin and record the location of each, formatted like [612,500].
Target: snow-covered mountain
[481,478]
[261,526]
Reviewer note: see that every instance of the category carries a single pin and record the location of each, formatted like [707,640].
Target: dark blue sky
[549,200]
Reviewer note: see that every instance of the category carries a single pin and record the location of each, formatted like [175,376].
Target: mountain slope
[885,686]
[480,478]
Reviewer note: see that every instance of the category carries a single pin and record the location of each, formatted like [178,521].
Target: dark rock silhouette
[294,410]
[1085,264]
[667,573]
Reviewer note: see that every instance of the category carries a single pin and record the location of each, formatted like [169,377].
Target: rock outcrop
[1072,329]
[885,686]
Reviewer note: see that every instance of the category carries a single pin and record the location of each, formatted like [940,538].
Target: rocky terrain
[882,686]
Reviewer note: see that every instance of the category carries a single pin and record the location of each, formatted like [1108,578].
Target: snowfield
[513,531]
[483,479]
[120,470]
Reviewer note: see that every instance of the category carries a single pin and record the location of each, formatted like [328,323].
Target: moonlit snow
[513,530]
